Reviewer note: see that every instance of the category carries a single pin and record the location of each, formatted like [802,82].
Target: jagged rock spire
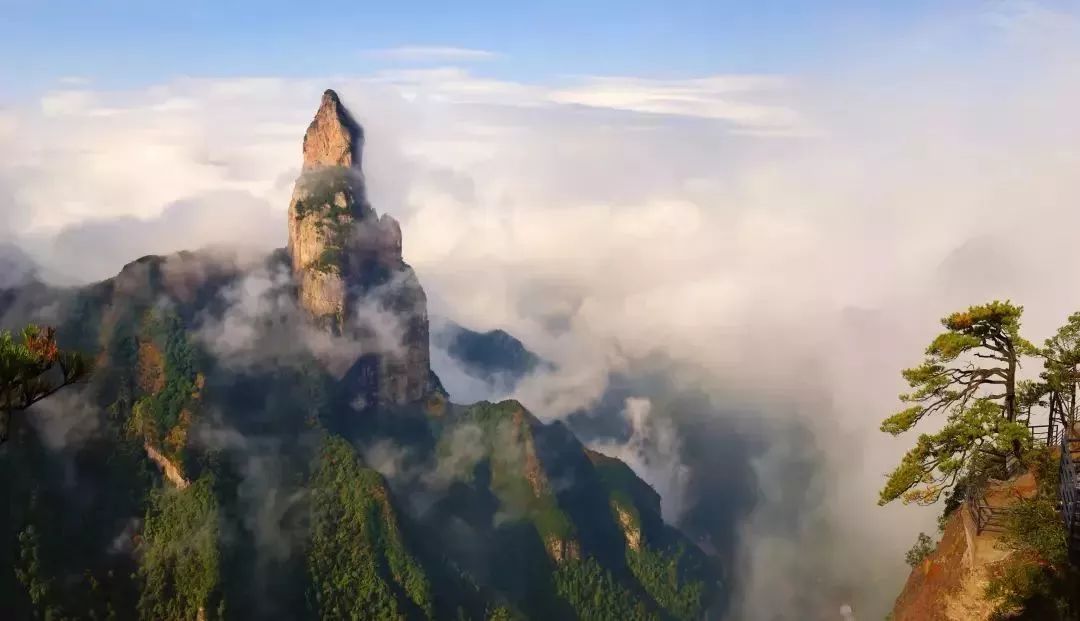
[333,138]
[345,257]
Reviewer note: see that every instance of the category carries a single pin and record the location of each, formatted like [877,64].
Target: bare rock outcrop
[348,266]
[562,550]
[169,469]
[630,528]
[333,138]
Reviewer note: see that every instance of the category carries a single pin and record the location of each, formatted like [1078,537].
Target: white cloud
[59,103]
[98,154]
[458,85]
[132,153]
[261,325]
[740,100]
[7,124]
[653,451]
[431,53]
[715,97]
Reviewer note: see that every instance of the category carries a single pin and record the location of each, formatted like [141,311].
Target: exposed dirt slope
[949,584]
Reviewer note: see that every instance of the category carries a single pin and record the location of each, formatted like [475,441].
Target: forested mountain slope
[264,438]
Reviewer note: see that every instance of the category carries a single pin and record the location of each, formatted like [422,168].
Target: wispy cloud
[725,97]
[74,80]
[431,53]
[1023,17]
[752,104]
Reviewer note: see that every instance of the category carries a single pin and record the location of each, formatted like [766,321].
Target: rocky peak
[333,138]
[345,258]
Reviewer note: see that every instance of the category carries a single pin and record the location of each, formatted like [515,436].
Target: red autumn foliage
[42,344]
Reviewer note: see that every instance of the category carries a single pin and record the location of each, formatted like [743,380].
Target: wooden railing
[990,518]
[1044,435]
[986,518]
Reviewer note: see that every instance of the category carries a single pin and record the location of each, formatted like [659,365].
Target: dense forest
[206,489]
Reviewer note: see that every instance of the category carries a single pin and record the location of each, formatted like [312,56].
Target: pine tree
[970,376]
[32,370]
[1061,354]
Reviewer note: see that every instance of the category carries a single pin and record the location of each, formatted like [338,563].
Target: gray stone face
[348,265]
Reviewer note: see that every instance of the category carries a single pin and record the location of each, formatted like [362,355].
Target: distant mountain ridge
[495,356]
[326,472]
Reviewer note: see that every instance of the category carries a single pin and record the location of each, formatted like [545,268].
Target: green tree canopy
[33,368]
[968,375]
[1062,359]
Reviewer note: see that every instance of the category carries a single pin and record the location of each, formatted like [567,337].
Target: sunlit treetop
[33,368]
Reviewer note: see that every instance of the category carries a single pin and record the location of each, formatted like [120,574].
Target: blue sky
[134,42]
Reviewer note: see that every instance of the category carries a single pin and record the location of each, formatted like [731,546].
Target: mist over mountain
[265,438]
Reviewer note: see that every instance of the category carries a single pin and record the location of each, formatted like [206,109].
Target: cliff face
[950,583]
[347,261]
